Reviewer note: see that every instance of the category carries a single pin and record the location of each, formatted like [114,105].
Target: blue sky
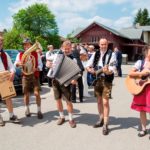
[71,14]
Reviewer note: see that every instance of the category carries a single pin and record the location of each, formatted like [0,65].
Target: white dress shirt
[100,62]
[40,64]
[11,66]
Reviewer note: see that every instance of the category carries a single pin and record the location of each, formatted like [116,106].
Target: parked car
[18,75]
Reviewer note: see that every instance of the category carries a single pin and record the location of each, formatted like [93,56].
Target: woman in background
[84,59]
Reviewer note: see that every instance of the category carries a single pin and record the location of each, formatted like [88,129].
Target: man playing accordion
[63,91]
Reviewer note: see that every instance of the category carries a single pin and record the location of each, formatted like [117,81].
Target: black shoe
[81,100]
[14,119]
[142,133]
[2,123]
[40,115]
[73,101]
[105,129]
[99,124]
[27,114]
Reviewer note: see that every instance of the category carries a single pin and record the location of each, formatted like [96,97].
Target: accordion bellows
[64,70]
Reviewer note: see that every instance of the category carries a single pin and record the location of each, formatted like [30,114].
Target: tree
[142,17]
[138,17]
[12,39]
[145,17]
[36,22]
[72,38]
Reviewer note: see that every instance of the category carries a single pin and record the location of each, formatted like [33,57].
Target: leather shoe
[60,121]
[40,115]
[99,124]
[72,123]
[142,133]
[105,129]
[27,113]
[2,123]
[14,119]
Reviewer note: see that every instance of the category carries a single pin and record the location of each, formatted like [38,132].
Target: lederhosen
[60,90]
[103,85]
[30,82]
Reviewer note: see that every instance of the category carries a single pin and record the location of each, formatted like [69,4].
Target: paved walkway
[34,134]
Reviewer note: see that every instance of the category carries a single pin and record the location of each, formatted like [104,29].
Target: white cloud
[7,24]
[124,9]
[69,13]
[123,22]
[71,24]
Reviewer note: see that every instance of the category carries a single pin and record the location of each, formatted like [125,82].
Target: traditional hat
[26,40]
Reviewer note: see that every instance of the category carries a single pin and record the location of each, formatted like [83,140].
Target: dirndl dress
[141,102]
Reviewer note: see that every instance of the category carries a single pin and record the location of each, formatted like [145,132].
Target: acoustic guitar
[136,85]
[92,78]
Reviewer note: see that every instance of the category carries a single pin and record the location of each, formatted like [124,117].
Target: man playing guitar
[103,86]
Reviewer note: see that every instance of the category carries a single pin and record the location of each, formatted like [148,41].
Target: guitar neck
[98,72]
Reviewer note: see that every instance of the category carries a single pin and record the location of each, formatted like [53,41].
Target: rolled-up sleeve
[90,61]
[17,59]
[112,63]
[11,66]
[40,64]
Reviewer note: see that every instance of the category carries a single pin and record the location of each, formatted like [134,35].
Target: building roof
[80,30]
[132,33]
[144,28]
[76,31]
[135,32]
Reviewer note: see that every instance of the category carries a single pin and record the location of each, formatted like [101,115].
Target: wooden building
[130,40]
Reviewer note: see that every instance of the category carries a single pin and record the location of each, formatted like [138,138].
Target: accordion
[64,70]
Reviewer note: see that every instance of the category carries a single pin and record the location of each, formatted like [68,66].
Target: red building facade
[94,32]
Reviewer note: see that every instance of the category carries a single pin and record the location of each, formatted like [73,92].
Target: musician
[31,82]
[141,102]
[6,64]
[60,91]
[103,86]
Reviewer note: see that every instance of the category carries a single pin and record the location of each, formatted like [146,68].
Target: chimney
[137,25]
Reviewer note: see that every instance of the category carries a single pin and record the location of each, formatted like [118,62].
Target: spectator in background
[91,50]
[84,59]
[76,56]
[85,46]
[49,59]
[119,61]
[40,51]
